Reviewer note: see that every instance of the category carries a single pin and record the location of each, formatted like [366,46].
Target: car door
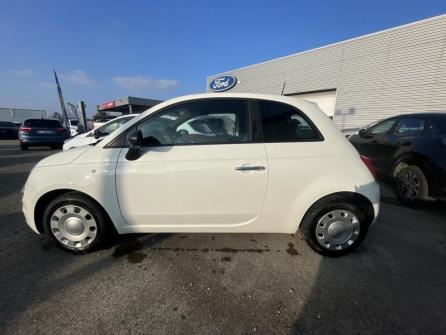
[374,142]
[181,179]
[406,136]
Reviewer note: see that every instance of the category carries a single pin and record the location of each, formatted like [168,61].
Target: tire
[411,185]
[337,235]
[23,147]
[76,223]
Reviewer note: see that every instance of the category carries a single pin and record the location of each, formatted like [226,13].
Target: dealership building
[361,80]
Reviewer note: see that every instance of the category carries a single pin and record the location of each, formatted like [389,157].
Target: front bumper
[28,204]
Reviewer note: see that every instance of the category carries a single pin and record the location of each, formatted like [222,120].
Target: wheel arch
[417,160]
[46,198]
[357,198]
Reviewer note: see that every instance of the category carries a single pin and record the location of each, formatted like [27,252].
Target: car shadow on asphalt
[392,284]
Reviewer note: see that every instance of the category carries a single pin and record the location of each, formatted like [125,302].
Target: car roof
[422,114]
[202,96]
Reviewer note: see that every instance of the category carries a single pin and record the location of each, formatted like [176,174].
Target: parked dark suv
[8,130]
[42,132]
[410,148]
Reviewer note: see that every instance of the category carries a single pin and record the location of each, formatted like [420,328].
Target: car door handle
[250,168]
[405,143]
[374,141]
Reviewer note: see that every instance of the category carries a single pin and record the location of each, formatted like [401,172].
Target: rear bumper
[374,195]
[42,140]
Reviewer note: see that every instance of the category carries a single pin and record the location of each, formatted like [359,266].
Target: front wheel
[334,227]
[75,223]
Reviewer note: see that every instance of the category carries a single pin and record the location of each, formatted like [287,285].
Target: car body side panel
[192,186]
[309,173]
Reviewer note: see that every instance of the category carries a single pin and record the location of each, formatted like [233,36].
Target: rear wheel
[334,226]
[411,185]
[76,223]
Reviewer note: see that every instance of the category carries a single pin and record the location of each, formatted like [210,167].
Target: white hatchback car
[97,134]
[280,166]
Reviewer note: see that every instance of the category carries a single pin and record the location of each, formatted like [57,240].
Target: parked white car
[95,135]
[73,126]
[283,166]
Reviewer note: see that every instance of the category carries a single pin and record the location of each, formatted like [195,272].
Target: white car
[95,135]
[282,167]
[73,126]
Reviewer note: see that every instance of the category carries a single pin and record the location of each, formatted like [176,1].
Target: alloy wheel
[408,185]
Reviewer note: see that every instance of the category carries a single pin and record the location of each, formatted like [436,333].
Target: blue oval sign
[223,83]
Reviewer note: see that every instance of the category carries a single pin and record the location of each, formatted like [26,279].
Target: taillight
[25,129]
[369,165]
[60,130]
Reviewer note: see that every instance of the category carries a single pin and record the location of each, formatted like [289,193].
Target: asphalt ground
[395,283]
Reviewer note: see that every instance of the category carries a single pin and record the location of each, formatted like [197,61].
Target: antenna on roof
[283,87]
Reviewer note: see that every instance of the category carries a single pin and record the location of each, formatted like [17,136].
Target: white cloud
[22,72]
[144,83]
[77,77]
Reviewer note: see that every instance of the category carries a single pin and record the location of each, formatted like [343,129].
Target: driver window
[382,128]
[198,122]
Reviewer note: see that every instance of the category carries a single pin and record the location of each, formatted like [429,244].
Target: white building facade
[361,80]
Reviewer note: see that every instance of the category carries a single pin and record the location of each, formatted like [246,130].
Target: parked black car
[410,148]
[8,130]
[39,132]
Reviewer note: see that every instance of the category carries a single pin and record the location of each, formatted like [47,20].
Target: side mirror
[135,141]
[365,133]
[97,133]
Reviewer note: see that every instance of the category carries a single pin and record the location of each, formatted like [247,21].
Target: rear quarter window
[285,123]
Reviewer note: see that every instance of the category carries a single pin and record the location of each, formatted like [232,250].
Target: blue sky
[103,50]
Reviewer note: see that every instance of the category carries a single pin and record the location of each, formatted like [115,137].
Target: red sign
[107,105]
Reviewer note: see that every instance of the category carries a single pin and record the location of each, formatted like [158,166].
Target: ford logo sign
[223,83]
